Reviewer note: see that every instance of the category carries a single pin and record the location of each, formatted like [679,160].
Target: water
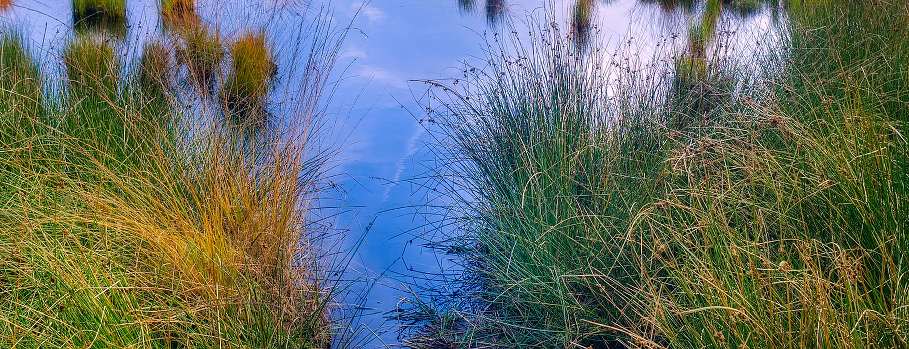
[375,114]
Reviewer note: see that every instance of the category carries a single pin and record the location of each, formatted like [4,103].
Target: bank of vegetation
[603,203]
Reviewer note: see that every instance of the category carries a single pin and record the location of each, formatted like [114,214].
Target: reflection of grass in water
[252,71]
[610,212]
[581,12]
[108,15]
[673,5]
[581,15]
[467,5]
[495,10]
[120,230]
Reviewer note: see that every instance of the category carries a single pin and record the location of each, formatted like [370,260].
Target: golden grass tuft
[179,13]
[194,248]
[120,231]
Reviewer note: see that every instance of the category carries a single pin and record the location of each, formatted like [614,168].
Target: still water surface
[375,114]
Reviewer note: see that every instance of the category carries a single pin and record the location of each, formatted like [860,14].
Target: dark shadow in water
[494,9]
[93,18]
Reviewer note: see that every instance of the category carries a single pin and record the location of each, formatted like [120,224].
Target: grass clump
[179,13]
[100,14]
[607,212]
[251,75]
[184,247]
[21,91]
[201,51]
[92,64]
[155,81]
[156,68]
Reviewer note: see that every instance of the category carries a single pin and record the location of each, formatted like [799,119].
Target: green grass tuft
[252,73]
[108,15]
[202,52]
[21,83]
[92,64]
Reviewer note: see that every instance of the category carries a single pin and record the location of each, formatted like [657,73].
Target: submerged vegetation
[134,217]
[600,205]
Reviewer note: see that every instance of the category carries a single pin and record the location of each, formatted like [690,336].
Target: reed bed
[600,203]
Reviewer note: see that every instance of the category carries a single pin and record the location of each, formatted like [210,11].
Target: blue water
[374,116]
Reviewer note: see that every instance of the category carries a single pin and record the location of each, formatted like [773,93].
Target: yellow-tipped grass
[195,246]
[119,230]
[251,75]
[4,4]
